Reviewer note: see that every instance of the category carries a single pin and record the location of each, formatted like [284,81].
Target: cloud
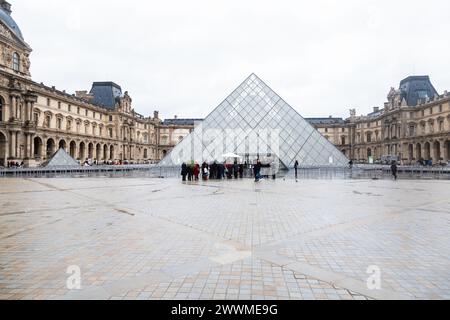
[184,57]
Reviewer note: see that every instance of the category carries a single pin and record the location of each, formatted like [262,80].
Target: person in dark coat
[257,171]
[220,171]
[213,168]
[235,169]
[190,169]
[184,171]
[394,170]
[224,170]
[296,169]
[350,164]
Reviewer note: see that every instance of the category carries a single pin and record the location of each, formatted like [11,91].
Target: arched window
[47,122]
[16,61]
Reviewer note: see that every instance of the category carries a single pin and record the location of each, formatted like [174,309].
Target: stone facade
[36,120]
[409,132]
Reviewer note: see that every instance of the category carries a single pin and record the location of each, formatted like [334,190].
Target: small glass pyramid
[61,159]
[254,122]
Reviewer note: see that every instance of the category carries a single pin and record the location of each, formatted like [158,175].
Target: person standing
[190,170]
[229,171]
[394,169]
[204,171]
[220,171]
[196,171]
[213,170]
[235,169]
[184,171]
[257,170]
[296,169]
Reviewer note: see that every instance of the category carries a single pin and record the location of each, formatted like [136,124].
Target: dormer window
[16,61]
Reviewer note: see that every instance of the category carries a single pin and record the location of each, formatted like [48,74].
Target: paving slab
[147,238]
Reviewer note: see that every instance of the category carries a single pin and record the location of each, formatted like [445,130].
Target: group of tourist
[15,164]
[218,171]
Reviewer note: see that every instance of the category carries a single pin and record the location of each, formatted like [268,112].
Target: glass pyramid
[254,122]
[61,159]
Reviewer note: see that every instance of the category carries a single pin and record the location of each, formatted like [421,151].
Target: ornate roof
[329,120]
[416,88]
[5,17]
[106,94]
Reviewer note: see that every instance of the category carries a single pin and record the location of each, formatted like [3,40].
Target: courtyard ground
[147,238]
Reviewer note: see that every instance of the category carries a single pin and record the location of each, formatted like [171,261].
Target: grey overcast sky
[184,57]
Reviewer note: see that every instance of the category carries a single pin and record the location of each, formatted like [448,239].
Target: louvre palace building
[413,125]
[101,125]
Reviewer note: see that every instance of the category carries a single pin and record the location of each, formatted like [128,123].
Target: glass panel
[253,119]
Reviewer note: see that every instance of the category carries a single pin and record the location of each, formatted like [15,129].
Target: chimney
[376,109]
[156,114]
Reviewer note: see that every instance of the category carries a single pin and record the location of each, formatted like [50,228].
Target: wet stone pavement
[147,238]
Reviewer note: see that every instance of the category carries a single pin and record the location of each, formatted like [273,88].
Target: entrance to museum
[271,164]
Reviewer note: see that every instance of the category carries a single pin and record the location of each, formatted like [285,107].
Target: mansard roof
[329,120]
[106,94]
[416,88]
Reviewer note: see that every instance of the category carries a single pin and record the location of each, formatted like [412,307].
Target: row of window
[412,115]
[86,112]
[327,130]
[368,137]
[368,125]
[78,110]
[88,129]
[429,111]
[395,131]
[423,128]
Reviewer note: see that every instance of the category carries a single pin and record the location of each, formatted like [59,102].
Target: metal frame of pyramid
[253,119]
